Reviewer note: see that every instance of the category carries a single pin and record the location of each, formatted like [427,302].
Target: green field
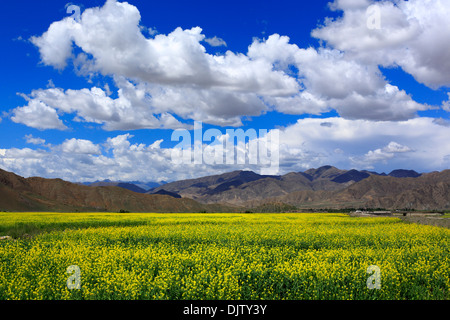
[220,256]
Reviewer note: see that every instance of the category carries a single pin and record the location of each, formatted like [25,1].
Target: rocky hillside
[325,187]
[38,194]
[429,191]
[248,188]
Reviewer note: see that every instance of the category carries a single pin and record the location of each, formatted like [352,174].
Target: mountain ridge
[239,187]
[236,191]
[40,194]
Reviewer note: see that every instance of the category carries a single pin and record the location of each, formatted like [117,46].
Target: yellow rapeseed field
[220,256]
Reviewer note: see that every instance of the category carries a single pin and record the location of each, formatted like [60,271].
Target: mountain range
[314,187]
[39,194]
[324,187]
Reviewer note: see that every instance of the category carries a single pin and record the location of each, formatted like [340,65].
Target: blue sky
[99,97]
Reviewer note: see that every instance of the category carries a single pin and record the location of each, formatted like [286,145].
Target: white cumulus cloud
[80,146]
[331,80]
[412,35]
[216,42]
[380,155]
[170,73]
[415,143]
[309,143]
[33,140]
[130,110]
[38,115]
[173,74]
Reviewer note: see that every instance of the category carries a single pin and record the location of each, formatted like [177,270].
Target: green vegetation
[220,256]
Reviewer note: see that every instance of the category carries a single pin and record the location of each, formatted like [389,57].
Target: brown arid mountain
[210,185]
[325,187]
[430,191]
[239,187]
[38,194]
[248,188]
[427,192]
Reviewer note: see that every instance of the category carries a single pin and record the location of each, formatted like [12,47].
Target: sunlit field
[220,256]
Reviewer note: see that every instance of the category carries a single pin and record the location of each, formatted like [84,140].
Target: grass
[220,256]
